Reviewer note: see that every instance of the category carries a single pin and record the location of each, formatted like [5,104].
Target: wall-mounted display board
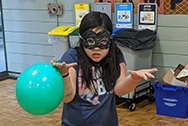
[124,15]
[103,7]
[147,16]
[160,5]
[80,10]
[107,1]
[176,7]
[134,3]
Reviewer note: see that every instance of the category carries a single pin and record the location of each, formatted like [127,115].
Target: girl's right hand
[63,68]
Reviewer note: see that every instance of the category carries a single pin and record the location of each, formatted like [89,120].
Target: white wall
[27,24]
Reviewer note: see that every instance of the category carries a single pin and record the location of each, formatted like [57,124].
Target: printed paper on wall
[134,2]
[80,10]
[105,1]
[160,5]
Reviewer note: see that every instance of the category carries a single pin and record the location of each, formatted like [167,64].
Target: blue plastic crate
[171,100]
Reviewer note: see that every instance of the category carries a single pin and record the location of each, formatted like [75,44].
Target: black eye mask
[92,40]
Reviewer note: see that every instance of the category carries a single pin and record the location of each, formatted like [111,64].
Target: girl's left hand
[142,74]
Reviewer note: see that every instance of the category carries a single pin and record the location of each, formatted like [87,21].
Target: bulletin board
[176,7]
[147,16]
[134,3]
[124,15]
[106,1]
[80,10]
[160,5]
[104,8]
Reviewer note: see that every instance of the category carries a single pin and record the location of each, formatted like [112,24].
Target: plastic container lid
[75,32]
[63,30]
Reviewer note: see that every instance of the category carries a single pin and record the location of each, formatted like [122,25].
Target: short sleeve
[122,59]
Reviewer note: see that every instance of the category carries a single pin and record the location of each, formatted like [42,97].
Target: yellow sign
[80,10]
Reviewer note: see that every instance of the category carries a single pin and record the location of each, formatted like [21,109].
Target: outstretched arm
[126,84]
[69,81]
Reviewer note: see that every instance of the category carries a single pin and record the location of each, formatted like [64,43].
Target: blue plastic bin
[171,100]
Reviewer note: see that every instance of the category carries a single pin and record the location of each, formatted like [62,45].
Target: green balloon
[39,89]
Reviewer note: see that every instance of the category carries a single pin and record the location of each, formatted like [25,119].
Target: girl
[93,74]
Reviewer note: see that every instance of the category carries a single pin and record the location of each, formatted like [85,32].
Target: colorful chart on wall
[80,10]
[147,16]
[107,1]
[160,5]
[176,7]
[124,15]
[134,3]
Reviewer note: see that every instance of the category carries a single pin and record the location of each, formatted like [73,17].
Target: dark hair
[110,64]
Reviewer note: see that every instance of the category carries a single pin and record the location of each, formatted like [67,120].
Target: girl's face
[96,54]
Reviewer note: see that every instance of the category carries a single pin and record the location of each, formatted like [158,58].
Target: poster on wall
[124,15]
[176,7]
[80,10]
[134,3]
[104,8]
[160,5]
[107,1]
[147,16]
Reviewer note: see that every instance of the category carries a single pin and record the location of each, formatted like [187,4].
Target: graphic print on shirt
[90,94]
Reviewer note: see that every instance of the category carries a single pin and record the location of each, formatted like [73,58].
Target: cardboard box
[178,77]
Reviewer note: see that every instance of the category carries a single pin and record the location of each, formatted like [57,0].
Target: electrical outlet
[54,9]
